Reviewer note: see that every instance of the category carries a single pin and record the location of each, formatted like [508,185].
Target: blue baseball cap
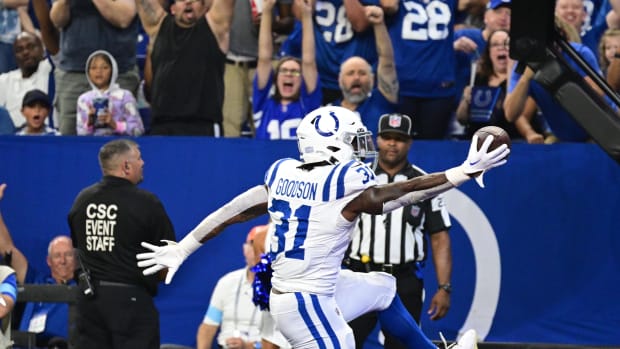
[494,4]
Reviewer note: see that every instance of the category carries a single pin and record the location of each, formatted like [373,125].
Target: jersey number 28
[430,22]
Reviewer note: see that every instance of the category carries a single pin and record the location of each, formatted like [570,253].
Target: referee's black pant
[118,317]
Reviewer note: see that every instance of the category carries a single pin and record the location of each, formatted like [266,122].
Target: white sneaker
[469,340]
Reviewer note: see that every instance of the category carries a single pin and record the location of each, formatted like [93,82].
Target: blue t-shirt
[422,34]
[275,121]
[561,122]
[9,287]
[335,40]
[56,314]
[372,108]
[595,23]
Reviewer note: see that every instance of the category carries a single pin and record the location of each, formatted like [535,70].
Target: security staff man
[108,221]
[395,242]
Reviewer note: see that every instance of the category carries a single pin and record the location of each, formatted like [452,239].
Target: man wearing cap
[35,108]
[469,43]
[396,242]
[231,308]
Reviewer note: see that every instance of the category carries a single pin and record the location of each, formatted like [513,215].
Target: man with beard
[33,72]
[188,50]
[357,84]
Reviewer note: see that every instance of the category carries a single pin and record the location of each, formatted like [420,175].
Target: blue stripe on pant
[316,305]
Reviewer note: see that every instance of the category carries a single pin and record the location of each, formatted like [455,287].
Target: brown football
[499,136]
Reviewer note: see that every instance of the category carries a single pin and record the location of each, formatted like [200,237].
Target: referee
[395,243]
[108,221]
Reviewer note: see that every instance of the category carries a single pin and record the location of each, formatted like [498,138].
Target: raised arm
[18,261]
[515,99]
[60,13]
[220,20]
[250,204]
[265,44]
[385,198]
[49,34]
[119,13]
[151,15]
[387,79]
[356,14]
[308,62]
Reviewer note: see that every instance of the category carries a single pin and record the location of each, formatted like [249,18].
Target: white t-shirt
[13,87]
[232,309]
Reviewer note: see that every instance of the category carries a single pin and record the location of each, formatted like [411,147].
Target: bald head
[356,80]
[61,258]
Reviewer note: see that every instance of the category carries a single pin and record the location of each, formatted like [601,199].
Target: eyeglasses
[292,72]
[500,45]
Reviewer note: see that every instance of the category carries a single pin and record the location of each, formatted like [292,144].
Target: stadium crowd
[193,67]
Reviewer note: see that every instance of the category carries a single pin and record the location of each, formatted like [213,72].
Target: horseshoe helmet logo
[328,133]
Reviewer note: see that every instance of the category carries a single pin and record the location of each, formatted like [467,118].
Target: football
[499,136]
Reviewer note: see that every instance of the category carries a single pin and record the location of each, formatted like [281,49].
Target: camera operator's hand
[2,187]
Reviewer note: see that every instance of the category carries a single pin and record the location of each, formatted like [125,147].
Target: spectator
[357,82]
[129,215]
[427,88]
[87,26]
[240,67]
[408,228]
[106,109]
[589,25]
[8,297]
[10,27]
[34,72]
[61,262]
[296,83]
[609,45]
[6,124]
[189,46]
[231,309]
[271,337]
[522,85]
[470,43]
[36,108]
[340,30]
[486,108]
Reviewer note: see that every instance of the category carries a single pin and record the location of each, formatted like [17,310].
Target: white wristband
[457,176]
[189,244]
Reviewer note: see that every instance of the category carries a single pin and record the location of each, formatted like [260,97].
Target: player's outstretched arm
[244,207]
[385,198]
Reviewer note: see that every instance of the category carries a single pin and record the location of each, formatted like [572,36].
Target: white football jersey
[310,235]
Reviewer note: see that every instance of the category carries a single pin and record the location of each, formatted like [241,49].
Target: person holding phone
[107,109]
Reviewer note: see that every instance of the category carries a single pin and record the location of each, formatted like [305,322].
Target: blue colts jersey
[422,34]
[336,41]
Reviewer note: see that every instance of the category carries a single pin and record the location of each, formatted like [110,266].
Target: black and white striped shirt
[398,237]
